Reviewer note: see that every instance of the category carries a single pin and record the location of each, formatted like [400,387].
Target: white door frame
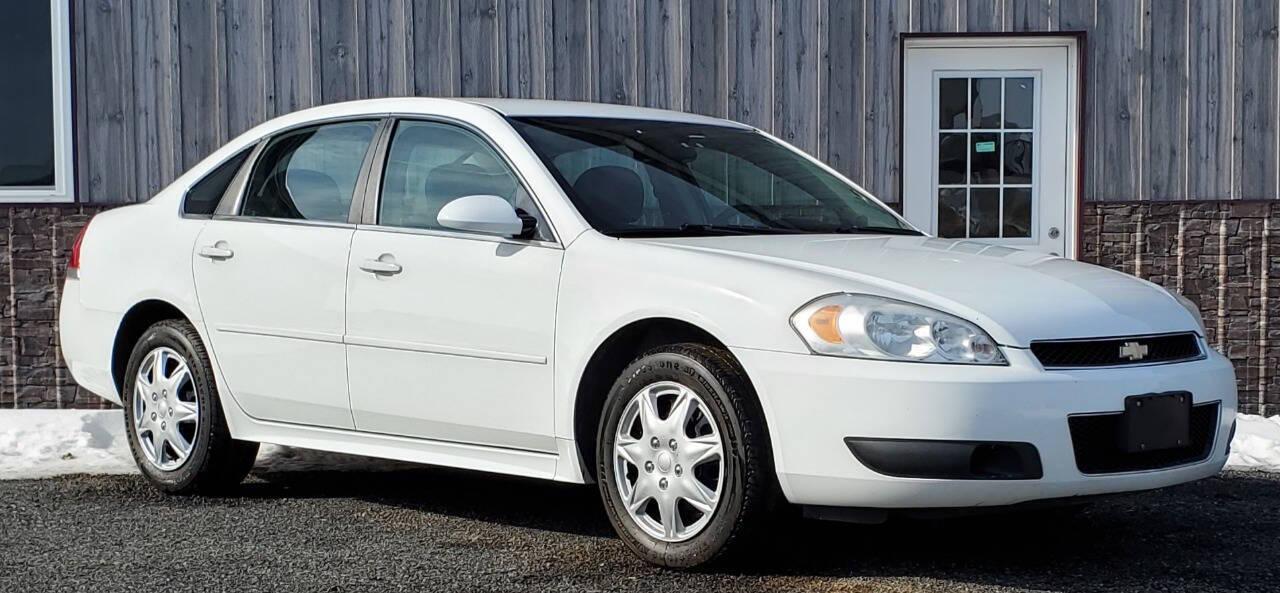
[1073,42]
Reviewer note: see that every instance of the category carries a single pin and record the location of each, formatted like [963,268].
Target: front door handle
[380,267]
[215,252]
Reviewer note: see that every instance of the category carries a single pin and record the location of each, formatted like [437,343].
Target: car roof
[546,108]
[504,107]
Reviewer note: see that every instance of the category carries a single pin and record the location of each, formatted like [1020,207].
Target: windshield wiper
[697,230]
[875,230]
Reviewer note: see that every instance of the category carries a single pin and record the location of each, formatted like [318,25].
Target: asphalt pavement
[441,530]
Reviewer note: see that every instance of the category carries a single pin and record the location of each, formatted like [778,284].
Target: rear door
[271,275]
[450,334]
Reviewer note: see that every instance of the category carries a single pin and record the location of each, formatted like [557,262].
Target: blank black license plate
[1156,422]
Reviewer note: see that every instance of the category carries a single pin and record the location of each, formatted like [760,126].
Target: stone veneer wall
[1223,255]
[35,242]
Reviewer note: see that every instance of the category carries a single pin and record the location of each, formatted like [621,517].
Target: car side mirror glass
[486,214]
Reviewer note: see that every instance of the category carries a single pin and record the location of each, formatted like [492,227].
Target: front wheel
[683,458]
[177,431]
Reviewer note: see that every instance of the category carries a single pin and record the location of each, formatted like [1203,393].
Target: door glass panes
[986,170]
[1017,212]
[953,104]
[986,102]
[952,212]
[953,163]
[1019,102]
[984,212]
[984,159]
[1017,158]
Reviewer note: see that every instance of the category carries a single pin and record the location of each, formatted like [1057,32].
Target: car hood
[1016,295]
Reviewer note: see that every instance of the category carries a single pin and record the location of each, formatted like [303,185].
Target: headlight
[1191,308]
[865,326]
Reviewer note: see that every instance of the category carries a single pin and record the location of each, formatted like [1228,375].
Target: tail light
[74,264]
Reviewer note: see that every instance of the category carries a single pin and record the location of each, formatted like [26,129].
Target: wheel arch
[609,359]
[135,321]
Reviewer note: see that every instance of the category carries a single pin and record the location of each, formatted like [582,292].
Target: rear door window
[310,173]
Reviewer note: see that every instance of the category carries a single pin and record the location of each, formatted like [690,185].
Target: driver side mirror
[486,214]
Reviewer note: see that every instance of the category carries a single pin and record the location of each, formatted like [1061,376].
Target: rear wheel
[177,431]
[683,458]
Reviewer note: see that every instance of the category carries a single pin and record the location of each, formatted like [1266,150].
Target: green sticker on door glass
[984,146]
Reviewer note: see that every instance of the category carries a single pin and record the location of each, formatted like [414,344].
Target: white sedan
[694,315]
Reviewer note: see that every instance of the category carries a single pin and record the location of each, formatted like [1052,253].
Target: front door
[449,334]
[989,137]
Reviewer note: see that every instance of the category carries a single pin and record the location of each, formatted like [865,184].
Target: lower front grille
[1099,446]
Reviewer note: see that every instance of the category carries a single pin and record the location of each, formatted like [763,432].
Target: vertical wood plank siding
[1164,102]
[663,69]
[1116,111]
[202,81]
[1255,117]
[1181,95]
[613,43]
[155,33]
[110,118]
[844,108]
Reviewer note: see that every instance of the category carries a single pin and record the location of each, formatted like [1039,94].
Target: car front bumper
[814,403]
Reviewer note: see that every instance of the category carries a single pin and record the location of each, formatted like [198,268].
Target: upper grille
[1105,352]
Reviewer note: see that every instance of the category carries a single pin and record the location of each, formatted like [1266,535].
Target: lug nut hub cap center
[665,462]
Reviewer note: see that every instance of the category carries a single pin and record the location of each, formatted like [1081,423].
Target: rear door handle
[216,253]
[380,267]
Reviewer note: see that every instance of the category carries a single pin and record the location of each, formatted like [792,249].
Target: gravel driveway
[440,530]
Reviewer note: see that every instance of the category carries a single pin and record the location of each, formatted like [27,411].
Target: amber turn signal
[825,323]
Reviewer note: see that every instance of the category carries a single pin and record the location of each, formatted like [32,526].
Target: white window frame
[63,176]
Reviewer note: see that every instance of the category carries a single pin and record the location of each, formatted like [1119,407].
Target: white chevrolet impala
[694,315]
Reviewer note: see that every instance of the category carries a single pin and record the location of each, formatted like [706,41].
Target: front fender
[607,284]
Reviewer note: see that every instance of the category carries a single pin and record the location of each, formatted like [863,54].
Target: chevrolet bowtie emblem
[1134,350]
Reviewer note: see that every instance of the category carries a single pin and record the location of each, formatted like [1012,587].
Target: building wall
[1181,94]
[35,242]
[1181,107]
[1224,256]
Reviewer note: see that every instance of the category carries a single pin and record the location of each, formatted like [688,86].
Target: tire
[725,408]
[212,462]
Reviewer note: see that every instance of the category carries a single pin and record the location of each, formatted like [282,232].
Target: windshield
[632,178]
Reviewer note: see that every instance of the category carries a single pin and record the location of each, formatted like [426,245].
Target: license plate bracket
[1157,421]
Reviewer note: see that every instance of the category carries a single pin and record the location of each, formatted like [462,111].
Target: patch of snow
[45,443]
[42,443]
[1257,443]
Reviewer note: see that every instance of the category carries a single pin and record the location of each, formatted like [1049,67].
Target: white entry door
[989,140]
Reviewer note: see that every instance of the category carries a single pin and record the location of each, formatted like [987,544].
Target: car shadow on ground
[536,504]
[1217,534]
